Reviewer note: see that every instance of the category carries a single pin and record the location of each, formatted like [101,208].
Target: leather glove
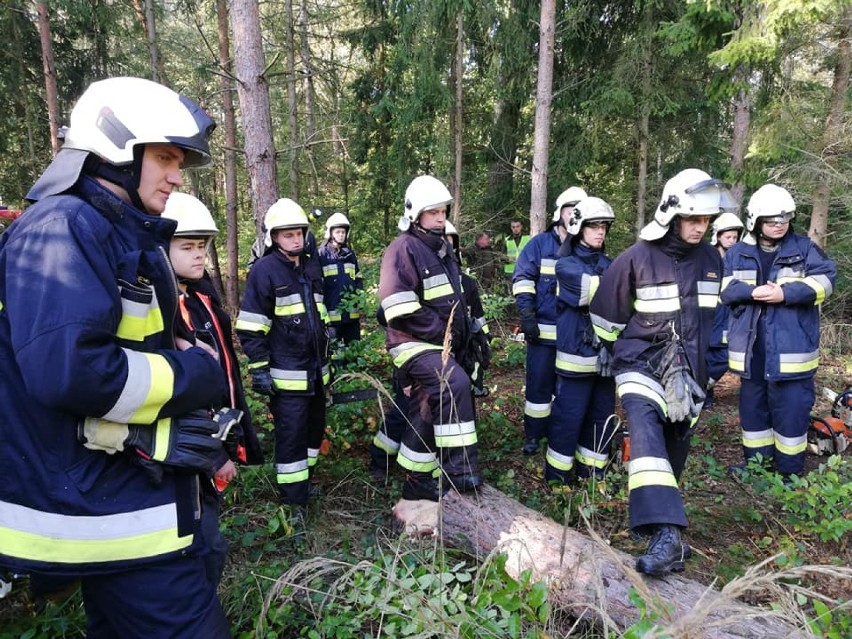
[230,430]
[529,326]
[261,381]
[191,442]
[682,393]
[481,349]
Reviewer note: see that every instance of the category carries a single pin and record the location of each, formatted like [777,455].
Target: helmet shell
[589,209]
[690,193]
[192,217]
[768,201]
[284,214]
[568,197]
[336,220]
[425,192]
[725,222]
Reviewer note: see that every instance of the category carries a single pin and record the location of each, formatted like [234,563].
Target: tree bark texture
[253,92]
[585,576]
[229,125]
[49,67]
[310,96]
[292,103]
[456,118]
[543,100]
[833,127]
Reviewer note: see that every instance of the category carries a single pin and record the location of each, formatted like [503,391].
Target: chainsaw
[831,435]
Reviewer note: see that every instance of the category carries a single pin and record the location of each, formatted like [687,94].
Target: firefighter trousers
[441,428]
[580,433]
[299,426]
[775,417]
[658,452]
[540,387]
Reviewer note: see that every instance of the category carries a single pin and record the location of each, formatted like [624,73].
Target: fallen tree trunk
[586,577]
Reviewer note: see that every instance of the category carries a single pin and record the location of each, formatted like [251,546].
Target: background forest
[338,105]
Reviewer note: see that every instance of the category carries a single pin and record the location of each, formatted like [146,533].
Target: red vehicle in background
[7,216]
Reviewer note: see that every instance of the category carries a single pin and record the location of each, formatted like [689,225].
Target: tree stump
[586,577]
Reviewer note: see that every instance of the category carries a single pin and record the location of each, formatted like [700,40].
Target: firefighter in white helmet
[534,288]
[775,282]
[724,233]
[420,295]
[282,330]
[654,308]
[580,433]
[341,278]
[107,430]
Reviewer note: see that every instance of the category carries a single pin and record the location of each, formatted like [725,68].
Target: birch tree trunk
[833,133]
[49,67]
[543,99]
[229,126]
[253,92]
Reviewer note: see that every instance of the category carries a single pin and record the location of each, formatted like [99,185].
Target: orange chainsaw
[831,435]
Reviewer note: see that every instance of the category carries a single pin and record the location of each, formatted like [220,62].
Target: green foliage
[830,623]
[647,626]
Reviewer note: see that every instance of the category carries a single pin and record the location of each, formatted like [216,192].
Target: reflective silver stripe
[478,323]
[821,285]
[587,452]
[149,385]
[536,410]
[82,527]
[547,331]
[639,384]
[458,428]
[313,453]
[657,299]
[436,286]
[399,304]
[736,360]
[558,460]
[288,300]
[329,270]
[799,358]
[576,363]
[588,286]
[349,269]
[548,267]
[642,464]
[788,273]
[293,467]
[405,351]
[254,319]
[319,298]
[605,325]
[523,286]
[708,293]
[791,445]
[386,443]
[747,276]
[798,362]
[421,458]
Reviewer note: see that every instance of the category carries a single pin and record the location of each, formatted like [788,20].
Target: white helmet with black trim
[726,222]
[192,217]
[336,221]
[111,123]
[568,197]
[769,201]
[424,193]
[690,193]
[284,214]
[589,209]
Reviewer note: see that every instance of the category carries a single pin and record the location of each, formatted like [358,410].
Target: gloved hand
[529,325]
[683,395]
[230,431]
[481,349]
[192,444]
[261,381]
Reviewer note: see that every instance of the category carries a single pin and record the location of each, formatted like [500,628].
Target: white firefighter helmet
[726,222]
[284,214]
[589,209]
[690,193]
[192,217]
[116,115]
[568,197]
[425,192]
[335,221]
[770,200]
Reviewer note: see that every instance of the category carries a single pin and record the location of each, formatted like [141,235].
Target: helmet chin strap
[125,176]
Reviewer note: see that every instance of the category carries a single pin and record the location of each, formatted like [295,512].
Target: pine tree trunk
[49,67]
[543,100]
[586,578]
[292,103]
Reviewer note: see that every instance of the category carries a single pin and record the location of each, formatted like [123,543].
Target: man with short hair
[105,425]
[515,243]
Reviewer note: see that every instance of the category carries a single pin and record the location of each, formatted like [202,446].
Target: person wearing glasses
[774,283]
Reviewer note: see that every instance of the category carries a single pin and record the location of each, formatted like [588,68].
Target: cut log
[586,577]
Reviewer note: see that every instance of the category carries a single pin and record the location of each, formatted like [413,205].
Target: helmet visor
[727,203]
[196,147]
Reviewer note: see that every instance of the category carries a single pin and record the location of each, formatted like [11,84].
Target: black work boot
[666,552]
[530,446]
[422,486]
[466,482]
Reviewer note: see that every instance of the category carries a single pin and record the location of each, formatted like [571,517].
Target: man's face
[565,214]
[338,234]
[483,240]
[728,238]
[289,239]
[433,219]
[692,229]
[516,228]
[160,175]
[774,228]
[187,255]
[593,234]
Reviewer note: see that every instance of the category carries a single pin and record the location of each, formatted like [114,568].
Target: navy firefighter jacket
[88,301]
[649,291]
[806,276]
[419,291]
[579,274]
[534,282]
[282,322]
[340,275]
